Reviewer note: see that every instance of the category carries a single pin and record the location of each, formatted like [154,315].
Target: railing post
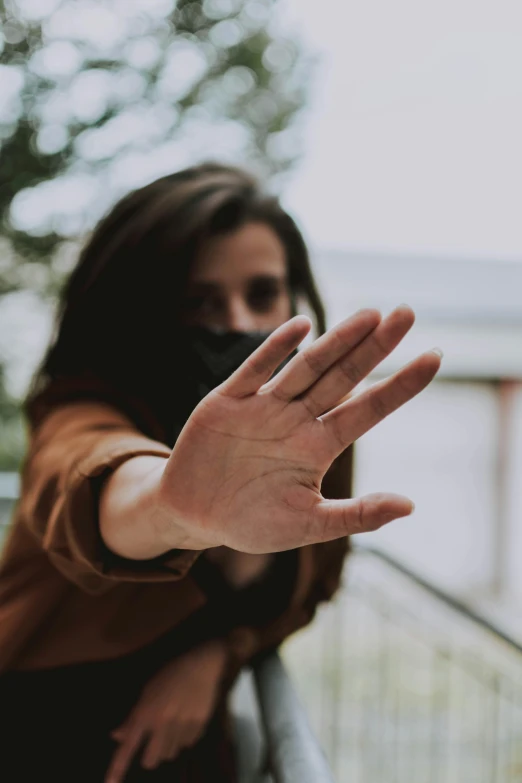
[295,754]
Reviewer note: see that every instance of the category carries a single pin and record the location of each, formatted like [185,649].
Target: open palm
[246,471]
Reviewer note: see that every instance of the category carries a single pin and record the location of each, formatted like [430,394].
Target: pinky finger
[186,739]
[193,734]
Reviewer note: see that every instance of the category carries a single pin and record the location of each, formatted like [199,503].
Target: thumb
[337,518]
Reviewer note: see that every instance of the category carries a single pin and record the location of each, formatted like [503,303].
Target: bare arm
[132,521]
[247,469]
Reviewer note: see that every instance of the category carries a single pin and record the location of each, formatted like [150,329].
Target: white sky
[414,136]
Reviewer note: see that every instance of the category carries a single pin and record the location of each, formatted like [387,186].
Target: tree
[12,433]
[99,96]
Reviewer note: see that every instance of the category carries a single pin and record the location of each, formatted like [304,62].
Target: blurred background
[392,131]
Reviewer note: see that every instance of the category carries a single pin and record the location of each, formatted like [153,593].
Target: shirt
[65,598]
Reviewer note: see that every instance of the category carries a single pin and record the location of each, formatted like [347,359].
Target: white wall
[439,450]
[413,134]
[514,500]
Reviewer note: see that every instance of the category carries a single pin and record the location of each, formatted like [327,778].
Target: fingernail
[438,351]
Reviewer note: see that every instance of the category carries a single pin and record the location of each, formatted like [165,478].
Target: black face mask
[207,358]
[212,356]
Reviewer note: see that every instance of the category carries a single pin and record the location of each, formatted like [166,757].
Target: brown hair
[117,319]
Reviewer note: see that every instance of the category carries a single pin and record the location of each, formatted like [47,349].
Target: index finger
[262,364]
[314,362]
[123,756]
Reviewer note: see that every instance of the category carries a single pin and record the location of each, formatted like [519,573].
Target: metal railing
[404,683]
[9,486]
[294,755]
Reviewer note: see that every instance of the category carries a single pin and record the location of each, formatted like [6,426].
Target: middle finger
[348,371]
[309,365]
[154,752]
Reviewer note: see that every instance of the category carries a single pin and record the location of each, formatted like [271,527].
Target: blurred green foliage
[92,91]
[12,430]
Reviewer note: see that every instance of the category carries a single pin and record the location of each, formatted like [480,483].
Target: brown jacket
[64,599]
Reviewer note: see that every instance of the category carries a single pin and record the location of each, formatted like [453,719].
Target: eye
[263,294]
[193,303]
[202,304]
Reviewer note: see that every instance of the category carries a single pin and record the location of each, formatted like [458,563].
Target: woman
[171,524]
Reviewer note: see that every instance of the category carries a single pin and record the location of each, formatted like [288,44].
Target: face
[238,282]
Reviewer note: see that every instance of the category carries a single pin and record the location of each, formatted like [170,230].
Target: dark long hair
[117,324]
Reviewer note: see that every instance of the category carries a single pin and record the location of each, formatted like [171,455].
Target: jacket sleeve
[71,453]
[244,644]
[328,559]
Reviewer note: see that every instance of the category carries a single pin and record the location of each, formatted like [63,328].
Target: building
[457,449]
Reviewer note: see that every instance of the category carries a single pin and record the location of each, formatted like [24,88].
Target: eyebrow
[210,286]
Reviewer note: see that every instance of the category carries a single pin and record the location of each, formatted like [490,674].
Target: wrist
[218,651]
[169,526]
[218,660]
[209,659]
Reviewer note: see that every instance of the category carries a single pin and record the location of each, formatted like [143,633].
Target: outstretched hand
[246,471]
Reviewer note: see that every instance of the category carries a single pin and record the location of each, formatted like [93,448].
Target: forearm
[133,521]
